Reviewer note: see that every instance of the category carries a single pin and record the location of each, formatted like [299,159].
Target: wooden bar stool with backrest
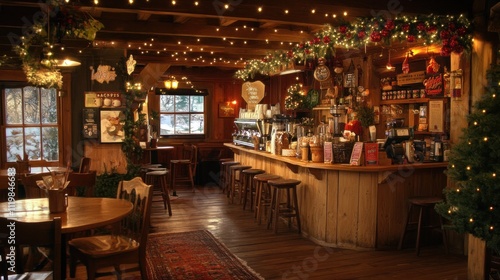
[235,182]
[422,204]
[187,163]
[248,185]
[158,177]
[289,209]
[221,173]
[226,175]
[262,194]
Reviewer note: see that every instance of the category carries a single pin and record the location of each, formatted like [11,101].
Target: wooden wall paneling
[367,219]
[105,157]
[347,209]
[332,200]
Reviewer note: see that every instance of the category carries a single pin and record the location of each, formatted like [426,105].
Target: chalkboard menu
[90,121]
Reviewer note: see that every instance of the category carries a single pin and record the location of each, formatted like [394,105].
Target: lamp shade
[168,84]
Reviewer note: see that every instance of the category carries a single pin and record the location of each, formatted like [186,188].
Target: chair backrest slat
[136,224]
[31,189]
[47,234]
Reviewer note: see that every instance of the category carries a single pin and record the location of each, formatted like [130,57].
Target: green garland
[296,98]
[453,33]
[62,21]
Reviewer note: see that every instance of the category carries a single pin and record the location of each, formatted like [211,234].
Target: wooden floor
[288,255]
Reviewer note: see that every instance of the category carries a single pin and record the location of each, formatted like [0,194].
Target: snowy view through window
[182,114]
[31,124]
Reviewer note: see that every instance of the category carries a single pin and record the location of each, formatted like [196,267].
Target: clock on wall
[321,73]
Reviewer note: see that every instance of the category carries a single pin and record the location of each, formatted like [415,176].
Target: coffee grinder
[338,112]
[265,127]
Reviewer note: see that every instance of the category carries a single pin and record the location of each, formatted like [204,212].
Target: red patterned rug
[193,255]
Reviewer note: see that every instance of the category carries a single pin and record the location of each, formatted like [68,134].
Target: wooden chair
[189,161]
[48,234]
[85,181]
[84,165]
[31,189]
[126,246]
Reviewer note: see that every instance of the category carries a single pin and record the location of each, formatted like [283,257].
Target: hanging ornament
[406,66]
[131,65]
[432,66]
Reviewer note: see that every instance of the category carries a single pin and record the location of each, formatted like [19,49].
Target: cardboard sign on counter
[357,153]
[371,153]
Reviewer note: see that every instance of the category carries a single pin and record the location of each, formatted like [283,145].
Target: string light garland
[453,33]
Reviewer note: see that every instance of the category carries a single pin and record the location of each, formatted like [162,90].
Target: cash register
[396,135]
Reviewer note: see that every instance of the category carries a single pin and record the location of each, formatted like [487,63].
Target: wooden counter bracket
[317,173]
[294,168]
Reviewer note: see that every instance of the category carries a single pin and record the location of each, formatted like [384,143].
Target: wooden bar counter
[355,207]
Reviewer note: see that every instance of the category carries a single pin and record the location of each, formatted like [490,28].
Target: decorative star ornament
[131,64]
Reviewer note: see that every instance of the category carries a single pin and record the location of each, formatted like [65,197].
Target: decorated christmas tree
[473,205]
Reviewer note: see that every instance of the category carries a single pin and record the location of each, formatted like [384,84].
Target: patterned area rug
[193,255]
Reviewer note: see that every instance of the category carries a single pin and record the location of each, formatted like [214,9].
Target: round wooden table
[83,213]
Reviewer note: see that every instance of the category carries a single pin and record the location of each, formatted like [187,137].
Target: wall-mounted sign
[252,93]
[90,121]
[434,85]
[104,99]
[410,78]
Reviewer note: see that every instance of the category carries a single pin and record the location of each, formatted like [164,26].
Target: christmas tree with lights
[473,205]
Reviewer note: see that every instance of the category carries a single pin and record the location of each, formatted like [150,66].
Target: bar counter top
[335,166]
[355,207]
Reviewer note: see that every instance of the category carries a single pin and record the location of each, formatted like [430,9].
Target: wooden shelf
[404,101]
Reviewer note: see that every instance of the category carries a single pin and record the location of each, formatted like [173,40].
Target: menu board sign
[410,78]
[252,93]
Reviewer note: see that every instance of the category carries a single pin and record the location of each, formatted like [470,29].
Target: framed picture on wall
[111,126]
[226,110]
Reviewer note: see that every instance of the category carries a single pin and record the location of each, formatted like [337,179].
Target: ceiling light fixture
[171,83]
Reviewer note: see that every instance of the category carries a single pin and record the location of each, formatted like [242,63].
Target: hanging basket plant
[37,43]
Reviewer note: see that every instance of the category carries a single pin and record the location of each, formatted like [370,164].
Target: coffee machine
[338,112]
[396,134]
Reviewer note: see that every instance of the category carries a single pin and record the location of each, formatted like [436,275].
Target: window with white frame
[30,124]
[182,115]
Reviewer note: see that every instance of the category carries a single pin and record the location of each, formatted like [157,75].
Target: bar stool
[422,203]
[262,193]
[160,176]
[235,182]
[221,174]
[226,175]
[289,209]
[248,186]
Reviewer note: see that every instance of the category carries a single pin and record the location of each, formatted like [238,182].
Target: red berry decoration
[461,31]
[361,34]
[445,34]
[431,29]
[410,38]
[326,40]
[406,27]
[389,25]
[385,33]
[420,26]
[317,40]
[343,29]
[375,36]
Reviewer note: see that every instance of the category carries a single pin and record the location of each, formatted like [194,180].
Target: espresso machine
[396,134]
[338,112]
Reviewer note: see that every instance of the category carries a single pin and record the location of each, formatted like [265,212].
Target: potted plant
[366,117]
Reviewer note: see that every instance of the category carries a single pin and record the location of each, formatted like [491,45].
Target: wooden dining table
[82,213]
